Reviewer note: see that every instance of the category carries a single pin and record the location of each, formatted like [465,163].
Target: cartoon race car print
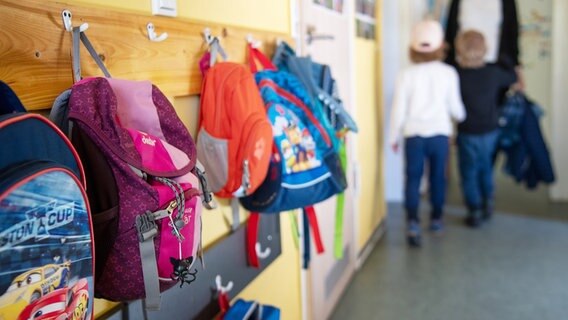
[61,304]
[32,285]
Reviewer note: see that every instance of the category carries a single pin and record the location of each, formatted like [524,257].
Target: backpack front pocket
[214,154]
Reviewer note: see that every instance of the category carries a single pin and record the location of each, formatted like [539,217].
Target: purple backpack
[142,182]
[142,186]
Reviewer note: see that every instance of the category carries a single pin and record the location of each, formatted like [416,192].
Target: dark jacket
[528,159]
[509,42]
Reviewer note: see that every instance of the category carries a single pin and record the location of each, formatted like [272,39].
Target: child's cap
[427,36]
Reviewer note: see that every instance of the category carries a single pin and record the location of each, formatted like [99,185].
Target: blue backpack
[46,243]
[305,168]
[320,86]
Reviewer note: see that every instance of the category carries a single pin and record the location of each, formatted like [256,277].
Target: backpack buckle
[206,197]
[146,226]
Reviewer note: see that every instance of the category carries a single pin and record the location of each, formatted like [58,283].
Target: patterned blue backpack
[305,168]
[46,244]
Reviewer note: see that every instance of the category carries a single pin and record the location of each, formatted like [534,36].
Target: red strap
[252,234]
[315,229]
[254,53]
[223,300]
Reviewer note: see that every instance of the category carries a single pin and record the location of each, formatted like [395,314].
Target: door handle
[312,36]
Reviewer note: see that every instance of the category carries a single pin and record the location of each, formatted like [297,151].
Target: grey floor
[516,267]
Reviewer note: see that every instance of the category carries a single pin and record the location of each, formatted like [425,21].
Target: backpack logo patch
[148,141]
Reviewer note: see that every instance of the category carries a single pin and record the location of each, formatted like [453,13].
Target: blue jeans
[417,150]
[475,153]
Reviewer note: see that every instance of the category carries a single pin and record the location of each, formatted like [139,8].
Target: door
[326,35]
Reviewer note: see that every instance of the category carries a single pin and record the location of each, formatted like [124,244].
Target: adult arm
[452,28]
[509,44]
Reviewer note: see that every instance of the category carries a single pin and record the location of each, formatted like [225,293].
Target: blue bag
[305,168]
[251,310]
[46,243]
[320,86]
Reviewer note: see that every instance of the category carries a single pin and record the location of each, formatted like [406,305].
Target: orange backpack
[234,142]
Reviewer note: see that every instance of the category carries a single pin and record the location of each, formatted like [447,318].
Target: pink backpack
[142,185]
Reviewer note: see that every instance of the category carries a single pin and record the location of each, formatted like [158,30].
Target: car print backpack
[143,184]
[304,168]
[46,242]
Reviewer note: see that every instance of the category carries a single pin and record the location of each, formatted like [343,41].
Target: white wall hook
[220,287]
[254,43]
[152,33]
[260,253]
[207,36]
[68,22]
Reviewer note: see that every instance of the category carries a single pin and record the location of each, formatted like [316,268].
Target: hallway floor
[516,267]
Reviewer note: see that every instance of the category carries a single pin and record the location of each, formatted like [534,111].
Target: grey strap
[147,230]
[215,50]
[94,54]
[75,54]
[206,194]
[236,217]
[79,37]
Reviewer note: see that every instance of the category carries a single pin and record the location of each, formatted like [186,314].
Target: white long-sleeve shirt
[486,17]
[427,96]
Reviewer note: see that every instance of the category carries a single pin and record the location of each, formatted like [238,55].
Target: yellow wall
[369,116]
[273,15]
[369,140]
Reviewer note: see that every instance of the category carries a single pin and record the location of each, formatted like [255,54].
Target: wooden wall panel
[35,49]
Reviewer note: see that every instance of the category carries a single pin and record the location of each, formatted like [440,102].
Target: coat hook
[262,254]
[220,287]
[207,36]
[254,43]
[152,33]
[68,23]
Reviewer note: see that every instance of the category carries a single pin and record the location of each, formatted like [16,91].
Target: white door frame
[559,116]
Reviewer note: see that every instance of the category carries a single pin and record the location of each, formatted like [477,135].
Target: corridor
[513,268]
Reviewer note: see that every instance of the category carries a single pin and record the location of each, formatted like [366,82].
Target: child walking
[426,99]
[481,86]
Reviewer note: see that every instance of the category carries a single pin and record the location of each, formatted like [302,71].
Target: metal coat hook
[68,22]
[262,254]
[254,43]
[220,287]
[207,36]
[152,33]
[311,35]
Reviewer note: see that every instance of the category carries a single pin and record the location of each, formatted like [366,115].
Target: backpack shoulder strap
[78,37]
